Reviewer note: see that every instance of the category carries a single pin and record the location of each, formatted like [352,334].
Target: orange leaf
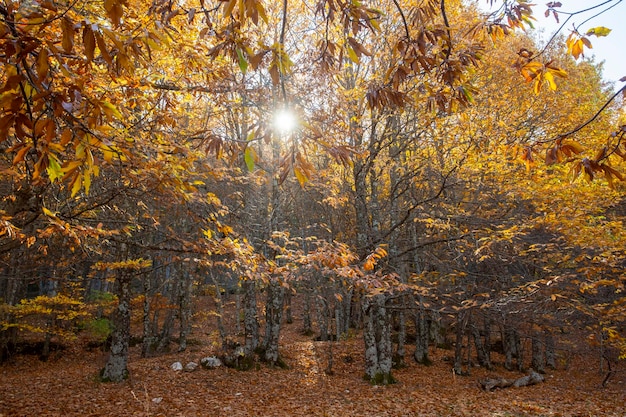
[89,40]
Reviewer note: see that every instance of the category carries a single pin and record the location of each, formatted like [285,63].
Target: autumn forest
[310,207]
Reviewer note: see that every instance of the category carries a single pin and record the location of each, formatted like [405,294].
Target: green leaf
[54,168]
[243,64]
[249,157]
[352,55]
[467,94]
[110,110]
[599,31]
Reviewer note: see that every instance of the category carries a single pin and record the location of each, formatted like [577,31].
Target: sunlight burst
[284,121]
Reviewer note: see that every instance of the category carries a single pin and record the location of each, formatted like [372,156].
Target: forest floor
[67,385]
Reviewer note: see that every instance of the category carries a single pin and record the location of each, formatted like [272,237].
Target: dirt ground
[67,385]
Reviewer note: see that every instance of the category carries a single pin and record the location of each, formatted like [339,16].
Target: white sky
[610,49]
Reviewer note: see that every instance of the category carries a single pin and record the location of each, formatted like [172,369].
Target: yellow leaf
[550,79]
[76,183]
[599,31]
[54,168]
[87,181]
[48,212]
[302,178]
[352,55]
[110,110]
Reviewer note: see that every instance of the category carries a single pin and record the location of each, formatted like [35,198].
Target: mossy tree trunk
[377,337]
[116,368]
[273,318]
[512,348]
[537,360]
[250,319]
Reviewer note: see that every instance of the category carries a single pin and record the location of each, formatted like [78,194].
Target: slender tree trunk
[461,321]
[512,348]
[322,316]
[185,306]
[172,292]
[116,368]
[148,336]
[550,351]
[401,349]
[481,350]
[347,310]
[251,322]
[377,338]
[288,312]
[519,352]
[421,336]
[273,318]
[237,310]
[307,326]
[220,308]
[537,360]
[165,337]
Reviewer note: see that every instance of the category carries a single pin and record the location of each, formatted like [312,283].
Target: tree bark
[288,312]
[307,326]
[461,322]
[550,351]
[322,316]
[185,309]
[421,336]
[490,384]
[116,368]
[251,322]
[148,335]
[273,318]
[482,353]
[377,338]
[512,348]
[538,360]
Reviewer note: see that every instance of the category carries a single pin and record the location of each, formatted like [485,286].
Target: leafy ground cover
[67,385]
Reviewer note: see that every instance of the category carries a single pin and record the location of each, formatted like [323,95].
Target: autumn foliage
[448,188]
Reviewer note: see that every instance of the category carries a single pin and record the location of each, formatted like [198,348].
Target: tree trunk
[550,351]
[481,350]
[377,337]
[538,360]
[184,307]
[322,316]
[288,312]
[490,384]
[461,322]
[401,349]
[273,317]
[172,292]
[307,326]
[116,368]
[219,302]
[251,322]
[347,310]
[421,336]
[512,348]
[148,340]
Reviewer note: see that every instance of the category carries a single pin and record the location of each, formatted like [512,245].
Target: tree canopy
[434,166]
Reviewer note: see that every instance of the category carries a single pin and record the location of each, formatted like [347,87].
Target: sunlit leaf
[599,31]
[243,63]
[250,158]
